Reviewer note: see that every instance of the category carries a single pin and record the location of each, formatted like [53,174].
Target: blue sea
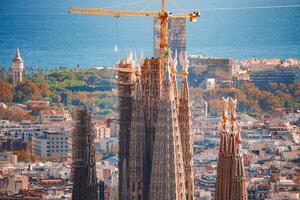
[48,36]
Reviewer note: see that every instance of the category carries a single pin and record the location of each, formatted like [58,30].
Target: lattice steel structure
[84,164]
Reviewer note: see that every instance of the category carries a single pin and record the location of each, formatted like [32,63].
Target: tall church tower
[125,70]
[186,131]
[231,179]
[167,175]
[17,68]
[137,149]
[156,138]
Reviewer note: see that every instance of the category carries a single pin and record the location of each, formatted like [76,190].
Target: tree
[215,107]
[27,91]
[12,115]
[6,94]
[45,92]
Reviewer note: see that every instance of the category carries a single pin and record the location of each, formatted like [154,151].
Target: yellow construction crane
[163,15]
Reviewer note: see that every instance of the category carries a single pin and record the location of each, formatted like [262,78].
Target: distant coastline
[49,39]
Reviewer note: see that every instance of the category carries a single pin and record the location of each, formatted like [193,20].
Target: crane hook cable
[126,4]
[180,7]
[150,5]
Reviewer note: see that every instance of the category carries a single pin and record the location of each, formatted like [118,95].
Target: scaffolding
[84,163]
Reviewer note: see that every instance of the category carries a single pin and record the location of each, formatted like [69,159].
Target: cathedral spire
[186,132]
[173,68]
[167,176]
[137,149]
[231,181]
[239,185]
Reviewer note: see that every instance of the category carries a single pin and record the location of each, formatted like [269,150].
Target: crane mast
[163,15]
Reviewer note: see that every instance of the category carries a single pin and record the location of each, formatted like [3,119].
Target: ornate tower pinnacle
[239,185]
[186,132]
[17,68]
[231,181]
[173,68]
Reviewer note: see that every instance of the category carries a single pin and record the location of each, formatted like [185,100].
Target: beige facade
[17,183]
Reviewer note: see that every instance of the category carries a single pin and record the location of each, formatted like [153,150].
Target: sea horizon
[49,37]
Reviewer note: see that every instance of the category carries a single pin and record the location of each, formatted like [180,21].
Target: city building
[54,116]
[262,79]
[17,68]
[8,157]
[206,68]
[102,130]
[12,144]
[210,83]
[56,143]
[23,130]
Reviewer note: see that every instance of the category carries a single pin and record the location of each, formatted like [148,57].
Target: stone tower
[239,187]
[186,131]
[125,69]
[151,79]
[84,164]
[156,139]
[231,180]
[137,149]
[17,68]
[167,175]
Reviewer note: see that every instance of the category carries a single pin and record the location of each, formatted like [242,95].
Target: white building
[54,116]
[55,143]
[106,144]
[210,83]
[102,131]
[23,130]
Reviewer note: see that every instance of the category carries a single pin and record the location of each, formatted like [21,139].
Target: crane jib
[128,13]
